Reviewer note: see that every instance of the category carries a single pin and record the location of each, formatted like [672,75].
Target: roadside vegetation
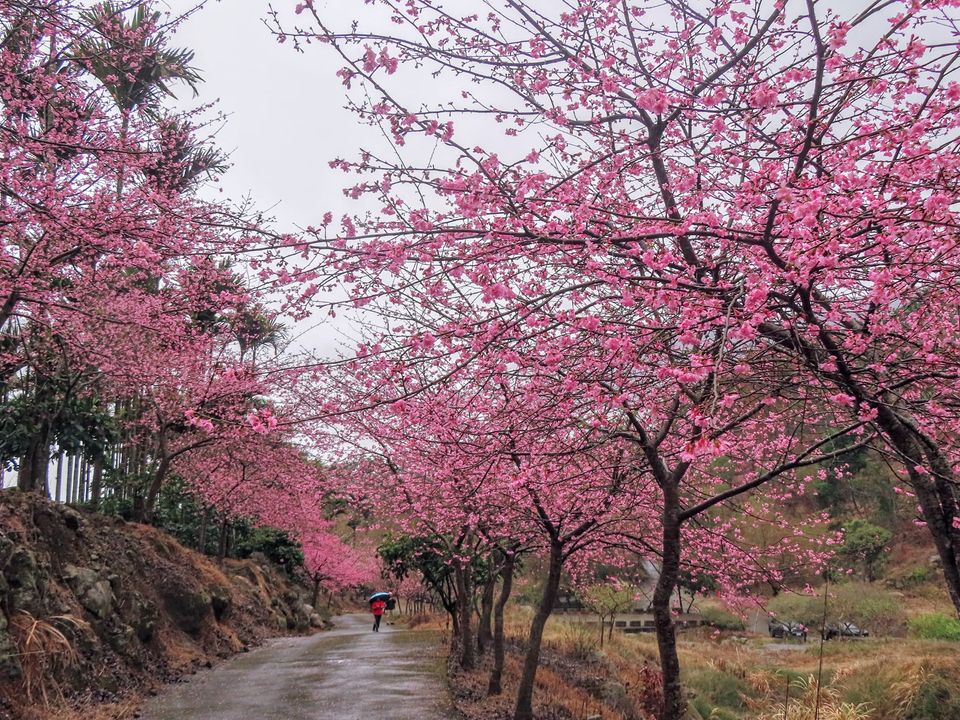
[650,306]
[729,675]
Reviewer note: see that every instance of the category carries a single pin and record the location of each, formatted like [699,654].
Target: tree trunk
[82,485]
[25,480]
[202,540]
[42,460]
[32,470]
[484,631]
[674,705]
[935,494]
[524,706]
[6,310]
[96,488]
[156,483]
[453,611]
[222,549]
[465,608]
[124,129]
[495,686]
[71,464]
[24,472]
[59,485]
[316,592]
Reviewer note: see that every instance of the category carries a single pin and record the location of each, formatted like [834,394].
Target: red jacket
[378,607]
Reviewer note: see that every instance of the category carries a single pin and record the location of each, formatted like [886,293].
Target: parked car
[844,629]
[786,629]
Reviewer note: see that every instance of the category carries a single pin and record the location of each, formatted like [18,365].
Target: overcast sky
[285,122]
[286,119]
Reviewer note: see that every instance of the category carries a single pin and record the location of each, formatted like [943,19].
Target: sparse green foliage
[607,600]
[913,578]
[857,484]
[696,582]
[721,619]
[178,513]
[579,641]
[935,626]
[106,54]
[873,608]
[865,545]
[806,609]
[717,690]
[275,544]
[404,554]
[867,605]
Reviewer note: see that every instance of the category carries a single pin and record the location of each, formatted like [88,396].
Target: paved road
[348,673]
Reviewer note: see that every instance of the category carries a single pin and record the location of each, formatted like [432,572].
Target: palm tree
[254,329]
[129,53]
[179,162]
[131,57]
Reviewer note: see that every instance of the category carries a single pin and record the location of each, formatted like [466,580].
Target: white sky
[286,117]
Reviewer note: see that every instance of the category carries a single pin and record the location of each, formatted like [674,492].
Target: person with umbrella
[378,603]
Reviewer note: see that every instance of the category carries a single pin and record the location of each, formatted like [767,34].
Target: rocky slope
[96,611]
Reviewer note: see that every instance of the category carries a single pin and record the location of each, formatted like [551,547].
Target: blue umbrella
[379,595]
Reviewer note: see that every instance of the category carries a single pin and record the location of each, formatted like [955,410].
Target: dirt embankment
[95,611]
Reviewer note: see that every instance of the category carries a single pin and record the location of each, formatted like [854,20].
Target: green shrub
[872,684]
[702,708]
[918,576]
[913,578]
[716,690]
[275,544]
[721,619]
[707,712]
[789,675]
[935,626]
[117,506]
[868,605]
[865,546]
[806,609]
[937,698]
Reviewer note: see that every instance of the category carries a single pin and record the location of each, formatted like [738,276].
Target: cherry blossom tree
[716,220]
[129,327]
[332,564]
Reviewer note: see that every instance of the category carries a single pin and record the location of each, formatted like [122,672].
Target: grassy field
[728,676]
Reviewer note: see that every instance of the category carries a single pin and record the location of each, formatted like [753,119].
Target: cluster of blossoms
[134,346]
[653,270]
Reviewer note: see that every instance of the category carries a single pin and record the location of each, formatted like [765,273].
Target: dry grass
[424,621]
[210,573]
[45,653]
[127,710]
[868,680]
[727,677]
[574,681]
[231,639]
[180,651]
[66,662]
[555,698]
[808,704]
[555,690]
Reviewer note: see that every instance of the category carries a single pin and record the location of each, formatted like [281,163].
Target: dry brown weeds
[45,653]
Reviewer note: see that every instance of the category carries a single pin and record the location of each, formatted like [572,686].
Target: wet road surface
[348,673]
